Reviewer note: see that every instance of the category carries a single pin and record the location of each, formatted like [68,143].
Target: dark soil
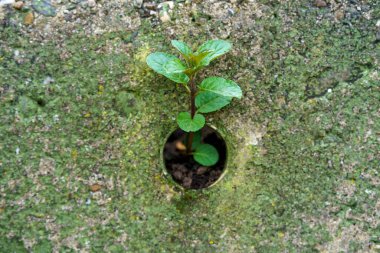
[184,169]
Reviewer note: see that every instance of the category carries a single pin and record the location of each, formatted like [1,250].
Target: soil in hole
[184,169]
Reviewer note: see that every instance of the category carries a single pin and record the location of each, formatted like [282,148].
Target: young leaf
[221,86]
[206,155]
[174,66]
[195,59]
[215,48]
[210,102]
[157,61]
[187,124]
[182,47]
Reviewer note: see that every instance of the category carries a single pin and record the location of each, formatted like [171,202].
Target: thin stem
[189,143]
[193,91]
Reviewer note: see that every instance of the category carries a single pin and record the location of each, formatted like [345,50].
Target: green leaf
[157,61]
[210,102]
[206,155]
[214,49]
[187,124]
[195,59]
[174,66]
[182,47]
[221,86]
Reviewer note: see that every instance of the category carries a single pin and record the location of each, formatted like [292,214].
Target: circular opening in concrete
[184,169]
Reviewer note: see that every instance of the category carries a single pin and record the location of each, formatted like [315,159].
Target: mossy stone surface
[303,170]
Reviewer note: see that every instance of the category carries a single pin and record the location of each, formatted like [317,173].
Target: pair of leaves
[174,69]
[215,93]
[207,52]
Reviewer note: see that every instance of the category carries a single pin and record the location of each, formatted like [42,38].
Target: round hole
[184,169]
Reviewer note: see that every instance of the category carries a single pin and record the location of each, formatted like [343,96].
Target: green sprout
[212,94]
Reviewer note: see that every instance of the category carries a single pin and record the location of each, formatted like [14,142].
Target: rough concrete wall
[83,120]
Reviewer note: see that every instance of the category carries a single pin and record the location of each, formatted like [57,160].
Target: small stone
[144,13]
[91,3]
[71,7]
[230,11]
[29,18]
[170,4]
[165,17]
[138,3]
[201,170]
[95,187]
[44,7]
[353,13]
[320,3]
[339,15]
[150,6]
[18,5]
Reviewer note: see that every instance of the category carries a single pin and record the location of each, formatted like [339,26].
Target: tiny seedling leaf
[196,59]
[221,86]
[188,124]
[157,61]
[182,47]
[210,102]
[206,155]
[215,48]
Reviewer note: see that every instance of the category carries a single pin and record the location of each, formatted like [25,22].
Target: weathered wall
[83,118]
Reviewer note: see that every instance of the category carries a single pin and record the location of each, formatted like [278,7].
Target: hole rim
[169,176]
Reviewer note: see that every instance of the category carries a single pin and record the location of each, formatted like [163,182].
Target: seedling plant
[212,94]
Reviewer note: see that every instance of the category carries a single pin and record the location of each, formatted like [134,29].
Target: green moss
[105,116]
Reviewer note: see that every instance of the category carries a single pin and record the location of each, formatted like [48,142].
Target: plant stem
[193,91]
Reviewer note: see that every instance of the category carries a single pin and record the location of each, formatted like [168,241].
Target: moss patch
[304,139]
